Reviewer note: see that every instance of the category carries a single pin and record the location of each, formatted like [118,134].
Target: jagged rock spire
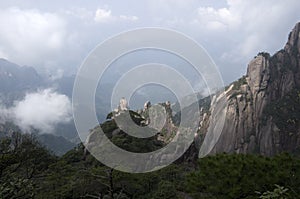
[123,106]
[293,43]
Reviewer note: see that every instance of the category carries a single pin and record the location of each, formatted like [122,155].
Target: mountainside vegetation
[28,170]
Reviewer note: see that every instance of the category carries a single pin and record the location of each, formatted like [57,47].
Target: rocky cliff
[262,111]
[263,107]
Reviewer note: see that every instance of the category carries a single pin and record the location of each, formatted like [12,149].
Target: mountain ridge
[249,126]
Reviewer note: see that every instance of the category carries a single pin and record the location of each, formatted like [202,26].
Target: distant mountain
[15,81]
[57,144]
[14,77]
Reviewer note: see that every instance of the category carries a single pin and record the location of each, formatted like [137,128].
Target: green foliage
[238,83]
[125,141]
[241,176]
[17,188]
[264,54]
[134,144]
[30,171]
[108,126]
[22,160]
[278,193]
[165,190]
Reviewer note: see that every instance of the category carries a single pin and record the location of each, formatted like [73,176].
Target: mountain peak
[258,72]
[293,44]
[262,112]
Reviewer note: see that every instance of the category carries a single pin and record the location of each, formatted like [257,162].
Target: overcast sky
[58,35]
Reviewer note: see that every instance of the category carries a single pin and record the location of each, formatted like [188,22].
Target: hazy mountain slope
[16,80]
[57,144]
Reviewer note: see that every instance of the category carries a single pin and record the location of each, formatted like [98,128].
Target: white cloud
[233,31]
[42,110]
[129,18]
[81,13]
[30,36]
[251,24]
[105,16]
[214,19]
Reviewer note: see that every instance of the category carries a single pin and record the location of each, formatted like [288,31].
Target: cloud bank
[60,36]
[42,110]
[30,36]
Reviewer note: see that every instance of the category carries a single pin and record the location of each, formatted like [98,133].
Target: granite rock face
[262,111]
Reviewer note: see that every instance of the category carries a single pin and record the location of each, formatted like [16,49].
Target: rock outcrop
[262,111]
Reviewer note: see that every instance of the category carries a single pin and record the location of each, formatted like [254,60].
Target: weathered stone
[123,104]
[268,79]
